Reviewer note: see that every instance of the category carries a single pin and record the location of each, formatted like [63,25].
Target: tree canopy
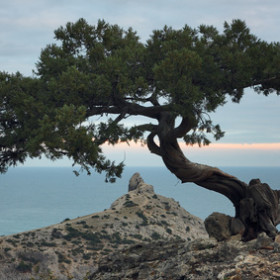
[104,70]
[174,80]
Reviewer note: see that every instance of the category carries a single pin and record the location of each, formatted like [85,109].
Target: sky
[252,127]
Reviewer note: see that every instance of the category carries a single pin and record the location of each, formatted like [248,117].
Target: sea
[35,197]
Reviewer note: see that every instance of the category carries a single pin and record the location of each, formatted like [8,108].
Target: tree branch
[153,147]
[130,109]
[185,126]
[103,139]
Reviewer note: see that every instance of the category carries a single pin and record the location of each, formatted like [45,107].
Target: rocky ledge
[200,259]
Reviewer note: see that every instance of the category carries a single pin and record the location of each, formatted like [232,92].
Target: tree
[174,80]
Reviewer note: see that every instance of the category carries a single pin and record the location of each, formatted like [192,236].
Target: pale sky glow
[217,154]
[252,127]
[238,146]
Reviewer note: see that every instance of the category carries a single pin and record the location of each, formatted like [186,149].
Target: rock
[145,188]
[218,226]
[236,227]
[134,182]
[196,260]
[277,239]
[137,183]
[277,244]
[263,241]
[223,227]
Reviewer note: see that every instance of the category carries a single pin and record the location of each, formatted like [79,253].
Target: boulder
[218,226]
[223,227]
[134,182]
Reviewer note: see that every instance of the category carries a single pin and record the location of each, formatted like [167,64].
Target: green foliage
[155,236]
[141,215]
[87,84]
[48,244]
[62,258]
[130,203]
[169,231]
[24,267]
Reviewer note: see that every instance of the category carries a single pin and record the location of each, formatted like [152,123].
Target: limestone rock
[223,227]
[236,226]
[263,241]
[196,260]
[218,226]
[134,182]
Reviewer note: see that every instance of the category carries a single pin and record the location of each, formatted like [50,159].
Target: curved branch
[203,175]
[153,147]
[206,176]
[256,206]
[130,109]
[185,126]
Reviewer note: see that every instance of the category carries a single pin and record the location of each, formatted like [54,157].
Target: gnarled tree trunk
[256,204]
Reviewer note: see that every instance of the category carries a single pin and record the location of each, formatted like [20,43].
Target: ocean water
[34,197]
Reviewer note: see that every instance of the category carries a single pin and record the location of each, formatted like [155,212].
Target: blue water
[33,197]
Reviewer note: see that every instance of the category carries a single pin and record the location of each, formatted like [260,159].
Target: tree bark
[256,204]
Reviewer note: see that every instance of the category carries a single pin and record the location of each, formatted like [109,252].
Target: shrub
[143,217]
[137,236]
[95,216]
[81,223]
[13,242]
[155,236]
[72,233]
[86,256]
[167,206]
[164,223]
[29,244]
[24,267]
[48,244]
[168,230]
[129,203]
[56,233]
[31,257]
[7,249]
[62,258]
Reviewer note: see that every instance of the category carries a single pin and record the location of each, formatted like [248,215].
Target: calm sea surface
[33,197]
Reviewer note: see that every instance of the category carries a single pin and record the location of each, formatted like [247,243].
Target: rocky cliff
[75,248]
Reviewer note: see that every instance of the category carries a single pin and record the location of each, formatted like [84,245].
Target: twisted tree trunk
[256,204]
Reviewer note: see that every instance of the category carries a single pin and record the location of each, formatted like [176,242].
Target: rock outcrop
[196,260]
[73,249]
